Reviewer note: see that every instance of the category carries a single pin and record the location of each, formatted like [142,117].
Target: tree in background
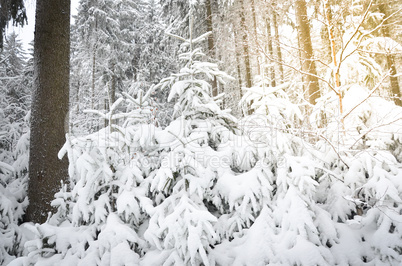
[15,93]
[307,56]
[11,10]
[15,98]
[388,10]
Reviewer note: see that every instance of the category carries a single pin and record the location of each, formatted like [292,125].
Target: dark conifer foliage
[11,10]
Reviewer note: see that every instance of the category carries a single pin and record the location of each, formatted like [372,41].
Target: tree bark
[253,13]
[395,89]
[93,80]
[331,36]
[246,51]
[211,46]
[238,68]
[245,45]
[94,47]
[271,68]
[307,57]
[49,106]
[277,42]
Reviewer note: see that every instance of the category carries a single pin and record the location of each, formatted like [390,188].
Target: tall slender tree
[49,106]
[276,39]
[245,43]
[211,46]
[271,69]
[255,33]
[306,48]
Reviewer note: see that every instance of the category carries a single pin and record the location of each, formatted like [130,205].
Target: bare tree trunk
[395,89]
[270,50]
[246,51]
[94,68]
[93,79]
[245,45]
[238,63]
[255,33]
[333,54]
[325,35]
[211,46]
[277,43]
[112,97]
[77,97]
[49,106]
[308,64]
[112,90]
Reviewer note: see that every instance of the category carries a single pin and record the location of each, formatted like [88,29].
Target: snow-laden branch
[332,146]
[371,129]
[368,96]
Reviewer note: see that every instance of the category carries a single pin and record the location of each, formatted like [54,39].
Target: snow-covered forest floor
[288,184]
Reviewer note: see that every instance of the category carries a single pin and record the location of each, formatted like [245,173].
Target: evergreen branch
[202,37]
[148,93]
[96,112]
[330,173]
[9,78]
[176,36]
[115,104]
[4,59]
[174,135]
[129,97]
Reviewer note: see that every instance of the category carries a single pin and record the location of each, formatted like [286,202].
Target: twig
[371,129]
[353,35]
[376,52]
[368,96]
[300,71]
[361,38]
[337,153]
[330,173]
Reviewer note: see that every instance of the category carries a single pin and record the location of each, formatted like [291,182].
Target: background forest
[228,132]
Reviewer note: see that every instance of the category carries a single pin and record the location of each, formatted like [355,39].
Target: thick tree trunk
[307,57]
[49,106]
